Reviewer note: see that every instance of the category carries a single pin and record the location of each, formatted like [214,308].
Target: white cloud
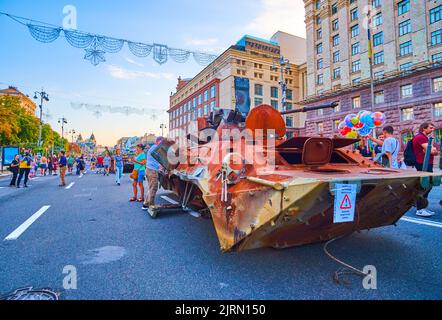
[133,62]
[201,42]
[279,15]
[122,73]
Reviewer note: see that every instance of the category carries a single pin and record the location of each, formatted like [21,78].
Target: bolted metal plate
[31,294]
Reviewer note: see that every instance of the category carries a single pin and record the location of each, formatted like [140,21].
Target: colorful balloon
[355,120]
[347,120]
[364,131]
[352,135]
[378,118]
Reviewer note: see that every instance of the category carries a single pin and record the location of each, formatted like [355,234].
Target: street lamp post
[284,66]
[72,132]
[62,121]
[43,96]
[162,127]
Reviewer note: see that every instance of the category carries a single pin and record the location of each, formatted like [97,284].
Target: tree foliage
[17,127]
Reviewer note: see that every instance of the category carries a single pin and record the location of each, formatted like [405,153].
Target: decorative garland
[96,46]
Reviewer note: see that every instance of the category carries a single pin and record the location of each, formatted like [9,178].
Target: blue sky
[125,80]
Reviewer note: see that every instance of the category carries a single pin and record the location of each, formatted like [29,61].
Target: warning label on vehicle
[345,202]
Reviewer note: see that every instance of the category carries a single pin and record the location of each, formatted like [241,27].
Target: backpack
[409,156]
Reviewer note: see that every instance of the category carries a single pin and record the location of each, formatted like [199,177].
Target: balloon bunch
[361,124]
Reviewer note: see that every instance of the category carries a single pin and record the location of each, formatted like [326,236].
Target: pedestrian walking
[43,165]
[420,145]
[106,163]
[63,167]
[14,168]
[138,173]
[54,164]
[100,160]
[118,166]
[25,168]
[50,166]
[152,169]
[71,160]
[390,148]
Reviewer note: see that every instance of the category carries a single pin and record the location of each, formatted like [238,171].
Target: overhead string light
[99,109]
[96,46]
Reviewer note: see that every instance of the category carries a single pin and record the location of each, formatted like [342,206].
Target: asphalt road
[120,253]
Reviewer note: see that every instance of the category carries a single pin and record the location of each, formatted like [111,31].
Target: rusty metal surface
[291,203]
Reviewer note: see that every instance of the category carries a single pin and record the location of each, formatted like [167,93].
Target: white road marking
[25,225]
[70,185]
[169,200]
[2,187]
[427,223]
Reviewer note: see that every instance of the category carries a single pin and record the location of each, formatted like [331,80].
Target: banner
[8,155]
[242,95]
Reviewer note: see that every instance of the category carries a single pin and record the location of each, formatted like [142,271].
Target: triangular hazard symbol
[346,203]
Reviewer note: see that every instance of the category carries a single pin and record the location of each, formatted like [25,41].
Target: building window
[436,37]
[319,127]
[320,79]
[436,14]
[320,112]
[407,136]
[335,25]
[318,4]
[356,66]
[289,122]
[258,101]
[319,34]
[406,66]
[258,89]
[336,124]
[319,48]
[356,81]
[356,102]
[336,40]
[406,91]
[334,8]
[212,91]
[336,56]
[378,39]
[437,109]
[407,114]
[337,73]
[376,3]
[319,64]
[274,104]
[318,19]
[377,19]
[274,92]
[437,84]
[379,97]
[194,102]
[379,74]
[405,48]
[289,94]
[206,95]
[355,48]
[212,105]
[355,31]
[354,14]
[378,57]
[338,107]
[200,99]
[403,7]
[404,27]
[437,58]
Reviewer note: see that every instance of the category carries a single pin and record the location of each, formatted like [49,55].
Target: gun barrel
[305,109]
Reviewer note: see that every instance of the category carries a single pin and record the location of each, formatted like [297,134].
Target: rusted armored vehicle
[296,191]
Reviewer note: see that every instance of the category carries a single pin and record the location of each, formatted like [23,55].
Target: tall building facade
[406,42]
[250,58]
[25,102]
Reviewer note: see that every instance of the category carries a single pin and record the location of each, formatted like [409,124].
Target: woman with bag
[138,173]
[14,169]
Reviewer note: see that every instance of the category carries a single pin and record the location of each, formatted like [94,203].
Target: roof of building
[242,41]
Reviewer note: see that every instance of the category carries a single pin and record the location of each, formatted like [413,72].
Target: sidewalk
[5,174]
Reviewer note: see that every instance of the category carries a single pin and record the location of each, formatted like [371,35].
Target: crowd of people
[386,151]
